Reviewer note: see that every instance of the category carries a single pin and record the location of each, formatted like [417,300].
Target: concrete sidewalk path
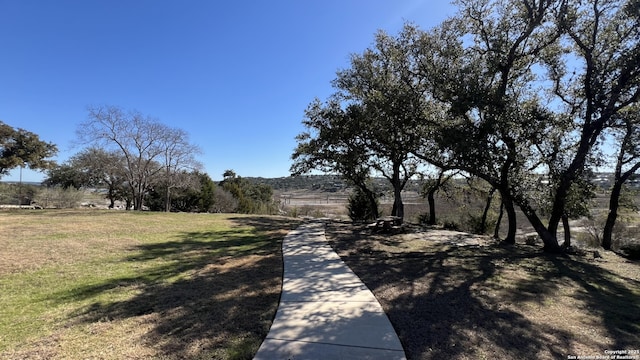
[325,311]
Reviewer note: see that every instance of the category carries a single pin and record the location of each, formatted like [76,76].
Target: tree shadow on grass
[452,302]
[206,294]
[607,295]
[277,224]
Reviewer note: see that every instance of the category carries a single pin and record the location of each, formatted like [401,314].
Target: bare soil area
[452,295]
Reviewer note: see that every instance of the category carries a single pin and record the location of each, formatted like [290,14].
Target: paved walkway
[325,311]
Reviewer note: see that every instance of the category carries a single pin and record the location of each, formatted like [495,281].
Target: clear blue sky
[236,75]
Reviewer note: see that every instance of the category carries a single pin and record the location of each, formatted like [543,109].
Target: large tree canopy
[531,86]
[332,144]
[22,148]
[512,92]
[373,122]
[481,66]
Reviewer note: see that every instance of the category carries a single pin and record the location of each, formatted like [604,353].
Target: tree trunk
[567,232]
[496,231]
[511,218]
[111,195]
[614,201]
[483,223]
[137,201]
[373,204]
[548,238]
[567,179]
[167,199]
[432,206]
[136,197]
[398,206]
[614,198]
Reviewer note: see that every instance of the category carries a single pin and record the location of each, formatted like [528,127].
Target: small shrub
[309,211]
[451,225]
[474,223]
[18,194]
[57,197]
[531,240]
[223,201]
[631,250]
[292,212]
[423,218]
[622,231]
[360,208]
[588,239]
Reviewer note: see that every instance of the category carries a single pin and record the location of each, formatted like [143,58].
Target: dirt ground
[452,295]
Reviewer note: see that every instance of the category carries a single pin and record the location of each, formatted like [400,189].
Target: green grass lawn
[109,284]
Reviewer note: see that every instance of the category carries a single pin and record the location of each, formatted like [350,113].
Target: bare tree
[142,140]
[178,158]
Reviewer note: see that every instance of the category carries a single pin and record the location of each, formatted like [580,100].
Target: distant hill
[328,183]
[334,183]
[32,183]
[324,183]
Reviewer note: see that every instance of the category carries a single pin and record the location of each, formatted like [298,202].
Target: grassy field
[491,301]
[96,284]
[113,285]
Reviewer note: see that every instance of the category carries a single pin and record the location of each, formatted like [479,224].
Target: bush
[631,251]
[474,223]
[423,218]
[622,234]
[18,194]
[451,225]
[223,201]
[57,197]
[360,208]
[250,198]
[304,211]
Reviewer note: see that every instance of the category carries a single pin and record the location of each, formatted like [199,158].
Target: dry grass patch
[109,284]
[485,301]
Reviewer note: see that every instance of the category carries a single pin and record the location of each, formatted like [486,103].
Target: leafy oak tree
[22,148]
[251,198]
[382,104]
[480,66]
[532,85]
[596,76]
[627,133]
[332,144]
[94,167]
